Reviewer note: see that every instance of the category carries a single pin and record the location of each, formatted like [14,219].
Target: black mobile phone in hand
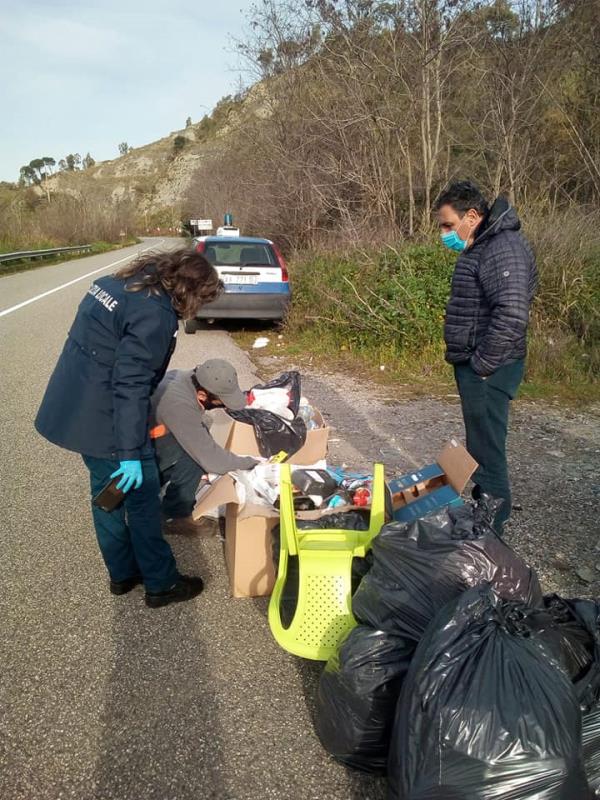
[109,497]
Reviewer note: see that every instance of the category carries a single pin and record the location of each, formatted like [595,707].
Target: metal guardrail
[53,251]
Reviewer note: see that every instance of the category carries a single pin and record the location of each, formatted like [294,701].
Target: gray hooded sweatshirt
[175,405]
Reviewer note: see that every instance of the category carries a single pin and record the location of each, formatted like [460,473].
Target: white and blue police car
[254,273]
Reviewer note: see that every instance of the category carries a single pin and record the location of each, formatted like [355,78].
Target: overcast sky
[84,76]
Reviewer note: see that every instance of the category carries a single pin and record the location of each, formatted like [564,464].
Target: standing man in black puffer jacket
[487,315]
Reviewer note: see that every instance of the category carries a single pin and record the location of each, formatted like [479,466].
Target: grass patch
[97,247]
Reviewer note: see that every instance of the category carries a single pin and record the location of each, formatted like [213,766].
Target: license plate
[247,279]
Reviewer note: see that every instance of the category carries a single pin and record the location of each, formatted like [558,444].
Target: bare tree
[364,109]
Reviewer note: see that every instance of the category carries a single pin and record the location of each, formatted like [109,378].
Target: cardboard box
[248,553]
[434,486]
[238,437]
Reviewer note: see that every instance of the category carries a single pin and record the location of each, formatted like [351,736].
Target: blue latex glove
[132,475]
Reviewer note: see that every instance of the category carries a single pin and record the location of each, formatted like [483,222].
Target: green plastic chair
[323,611]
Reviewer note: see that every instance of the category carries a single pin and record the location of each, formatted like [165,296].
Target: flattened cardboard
[458,465]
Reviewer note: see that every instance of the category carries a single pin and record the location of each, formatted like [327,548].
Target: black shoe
[187,587]
[122,587]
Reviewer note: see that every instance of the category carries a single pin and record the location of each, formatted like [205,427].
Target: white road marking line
[75,280]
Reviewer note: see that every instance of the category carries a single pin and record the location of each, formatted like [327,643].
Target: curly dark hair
[185,275]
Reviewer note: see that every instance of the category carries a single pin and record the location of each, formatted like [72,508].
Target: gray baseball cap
[220,378]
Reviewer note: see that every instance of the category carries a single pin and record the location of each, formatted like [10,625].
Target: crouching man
[184,448]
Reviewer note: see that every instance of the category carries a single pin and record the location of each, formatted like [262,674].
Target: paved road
[100,697]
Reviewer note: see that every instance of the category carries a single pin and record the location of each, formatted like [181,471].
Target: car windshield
[239,254]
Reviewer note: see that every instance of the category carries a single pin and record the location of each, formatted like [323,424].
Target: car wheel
[190,325]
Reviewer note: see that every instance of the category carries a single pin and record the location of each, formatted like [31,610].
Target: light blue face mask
[453,241]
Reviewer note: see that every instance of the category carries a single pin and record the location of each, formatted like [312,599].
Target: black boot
[187,587]
[122,587]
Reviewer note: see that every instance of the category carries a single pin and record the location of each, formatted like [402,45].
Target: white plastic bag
[260,486]
[275,400]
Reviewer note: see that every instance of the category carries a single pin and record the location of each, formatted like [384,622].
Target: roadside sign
[202,224]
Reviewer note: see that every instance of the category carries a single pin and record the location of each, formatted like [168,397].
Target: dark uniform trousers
[485,407]
[130,537]
[182,474]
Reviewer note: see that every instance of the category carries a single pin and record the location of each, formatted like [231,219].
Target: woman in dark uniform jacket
[98,400]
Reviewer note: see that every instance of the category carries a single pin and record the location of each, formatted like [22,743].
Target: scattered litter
[262,341]
[388,453]
[382,368]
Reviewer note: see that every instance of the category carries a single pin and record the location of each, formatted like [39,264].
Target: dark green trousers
[485,405]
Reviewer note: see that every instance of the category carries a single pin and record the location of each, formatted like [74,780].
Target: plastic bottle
[307,413]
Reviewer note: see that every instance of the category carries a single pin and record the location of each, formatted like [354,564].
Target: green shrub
[394,297]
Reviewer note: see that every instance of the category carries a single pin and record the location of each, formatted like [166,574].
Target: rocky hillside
[156,177]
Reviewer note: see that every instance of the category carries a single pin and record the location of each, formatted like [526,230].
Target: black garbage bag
[576,626]
[472,520]
[441,793]
[420,566]
[289,381]
[358,692]
[587,684]
[273,433]
[591,748]
[486,711]
[579,624]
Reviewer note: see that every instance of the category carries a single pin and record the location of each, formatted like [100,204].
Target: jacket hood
[501,217]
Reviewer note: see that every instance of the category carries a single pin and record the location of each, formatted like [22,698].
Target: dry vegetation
[369,109]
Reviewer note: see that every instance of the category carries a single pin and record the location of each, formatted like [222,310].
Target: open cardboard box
[238,437]
[248,554]
[434,486]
